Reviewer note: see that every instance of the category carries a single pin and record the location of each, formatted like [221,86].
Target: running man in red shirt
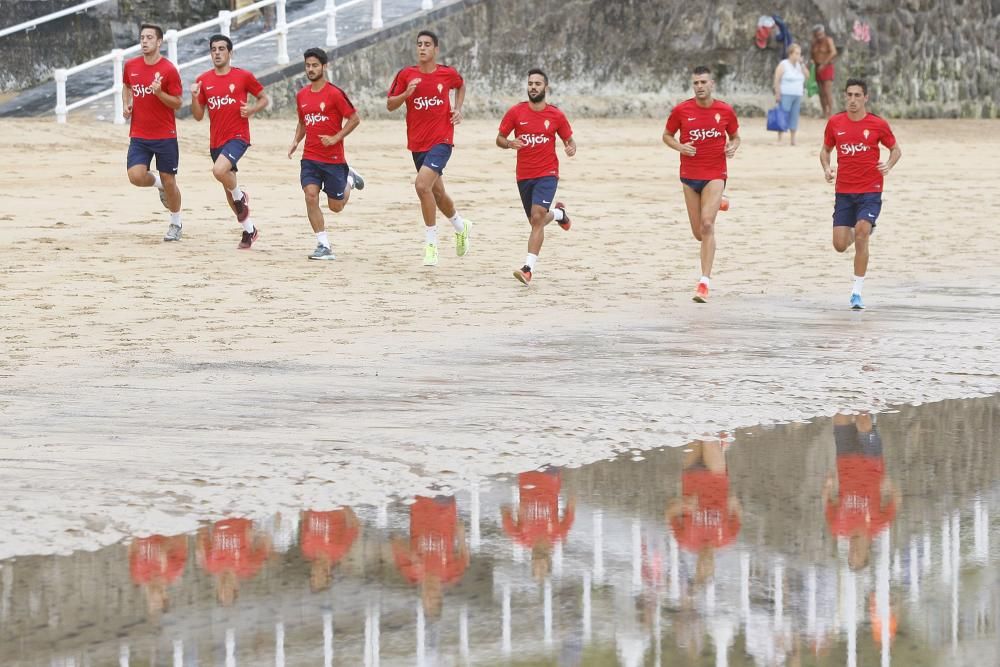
[155,562]
[426,88]
[537,524]
[436,554]
[706,517]
[326,537]
[704,124]
[223,91]
[535,125]
[860,174]
[322,109]
[151,94]
[232,550]
[867,500]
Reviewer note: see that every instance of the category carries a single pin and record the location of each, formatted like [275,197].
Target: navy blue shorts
[850,440]
[332,178]
[697,184]
[436,158]
[849,208]
[142,151]
[232,149]
[537,192]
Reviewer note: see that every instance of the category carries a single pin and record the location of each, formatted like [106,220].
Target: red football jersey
[859,508]
[710,524]
[538,130]
[323,113]
[857,143]
[706,129]
[428,109]
[157,558]
[433,548]
[151,118]
[231,547]
[224,95]
[537,519]
[327,534]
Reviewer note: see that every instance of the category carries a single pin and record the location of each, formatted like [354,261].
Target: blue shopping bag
[777,120]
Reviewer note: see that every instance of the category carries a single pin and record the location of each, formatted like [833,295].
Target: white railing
[224,22]
[34,23]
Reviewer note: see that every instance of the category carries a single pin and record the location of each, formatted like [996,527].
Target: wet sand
[148,385]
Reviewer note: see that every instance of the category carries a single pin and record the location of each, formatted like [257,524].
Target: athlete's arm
[684,149]
[456,114]
[504,142]
[197,110]
[570,147]
[894,154]
[126,102]
[259,105]
[396,101]
[732,145]
[332,139]
[300,132]
[824,160]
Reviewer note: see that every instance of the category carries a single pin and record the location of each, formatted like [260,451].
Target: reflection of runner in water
[326,539]
[155,562]
[537,525]
[232,550]
[436,554]
[706,517]
[867,500]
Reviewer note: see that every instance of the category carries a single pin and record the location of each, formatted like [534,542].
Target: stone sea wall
[924,58]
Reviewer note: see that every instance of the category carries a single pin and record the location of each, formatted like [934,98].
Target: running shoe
[430,255]
[701,293]
[242,207]
[462,239]
[359,182]
[724,204]
[248,239]
[856,302]
[564,223]
[173,233]
[523,274]
[322,252]
[163,198]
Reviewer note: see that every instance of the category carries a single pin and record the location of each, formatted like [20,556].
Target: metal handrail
[224,21]
[34,23]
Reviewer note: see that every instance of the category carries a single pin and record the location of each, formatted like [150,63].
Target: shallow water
[896,562]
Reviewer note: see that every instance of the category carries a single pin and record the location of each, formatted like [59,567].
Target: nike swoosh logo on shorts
[433,165]
[546,202]
[340,194]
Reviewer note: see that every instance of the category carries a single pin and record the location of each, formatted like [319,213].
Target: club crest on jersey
[440,87]
[718,118]
[232,87]
[322,106]
[866,133]
[546,125]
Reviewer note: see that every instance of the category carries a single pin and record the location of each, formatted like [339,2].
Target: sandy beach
[145,386]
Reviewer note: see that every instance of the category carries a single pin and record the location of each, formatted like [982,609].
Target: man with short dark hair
[323,109]
[535,125]
[426,88]
[860,175]
[223,91]
[150,95]
[704,124]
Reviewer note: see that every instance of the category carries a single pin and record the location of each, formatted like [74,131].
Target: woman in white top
[789,86]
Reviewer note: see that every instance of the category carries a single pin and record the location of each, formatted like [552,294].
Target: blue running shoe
[856,302]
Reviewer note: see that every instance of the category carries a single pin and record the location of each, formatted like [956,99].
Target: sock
[157,183]
[457,223]
[557,214]
[322,239]
[431,234]
[704,280]
[248,226]
[237,193]
[859,281]
[530,261]
[175,218]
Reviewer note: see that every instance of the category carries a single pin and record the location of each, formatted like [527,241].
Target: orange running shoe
[701,293]
[523,274]
[564,223]
[724,204]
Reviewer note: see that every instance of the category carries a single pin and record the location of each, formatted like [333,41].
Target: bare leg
[711,198]
[424,185]
[313,210]
[442,200]
[843,238]
[862,234]
[172,192]
[539,218]
[223,172]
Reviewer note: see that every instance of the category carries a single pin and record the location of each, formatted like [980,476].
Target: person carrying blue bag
[789,87]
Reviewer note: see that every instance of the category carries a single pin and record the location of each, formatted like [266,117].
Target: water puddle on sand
[858,540]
